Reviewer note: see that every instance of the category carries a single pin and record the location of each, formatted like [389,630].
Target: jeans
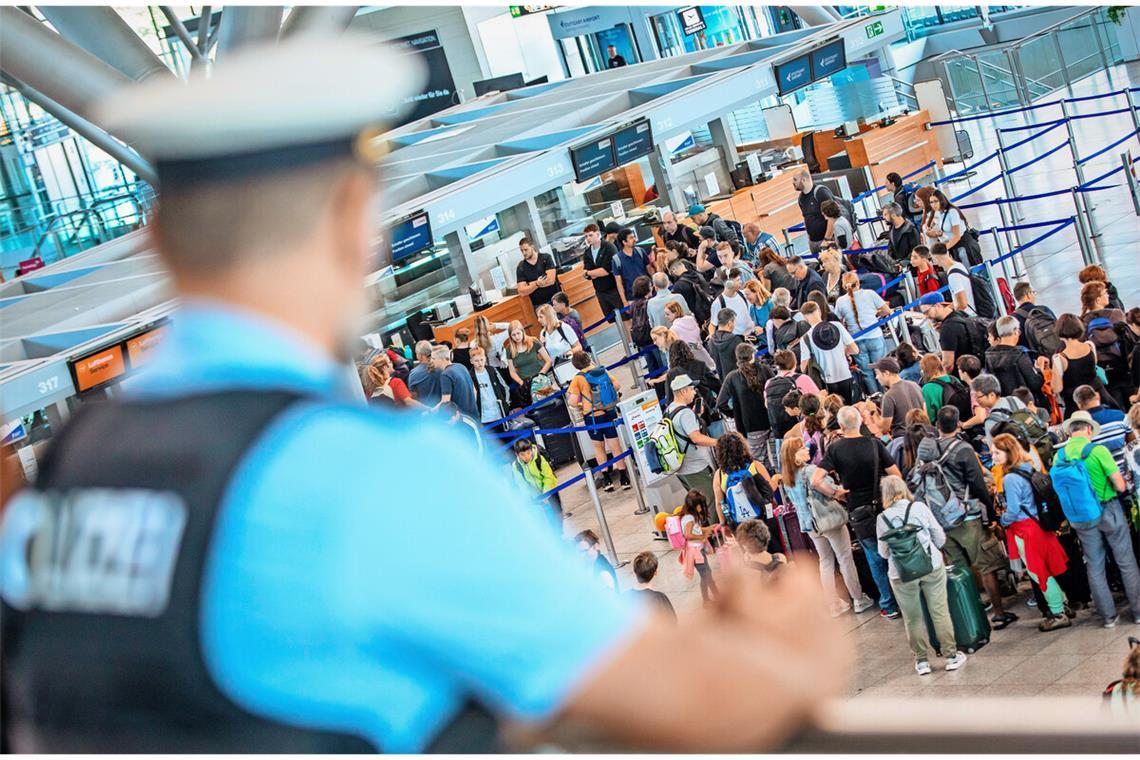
[933,587]
[870,351]
[832,545]
[878,567]
[1110,532]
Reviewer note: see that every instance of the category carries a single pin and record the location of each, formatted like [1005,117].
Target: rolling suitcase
[1075,580]
[560,447]
[971,626]
[866,579]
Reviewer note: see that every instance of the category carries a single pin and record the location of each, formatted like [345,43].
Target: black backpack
[1041,332]
[956,394]
[976,335]
[1050,515]
[639,328]
[984,304]
[736,227]
[774,393]
[878,263]
[789,332]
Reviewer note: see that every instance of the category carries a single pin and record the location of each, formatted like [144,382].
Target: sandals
[1002,621]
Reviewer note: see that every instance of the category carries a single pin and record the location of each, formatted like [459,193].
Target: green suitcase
[971,626]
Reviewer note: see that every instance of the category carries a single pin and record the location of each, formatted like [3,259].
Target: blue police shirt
[325,605]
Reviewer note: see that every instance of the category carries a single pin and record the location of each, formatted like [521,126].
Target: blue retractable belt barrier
[1042,157]
[973,190]
[1105,149]
[969,168]
[1024,127]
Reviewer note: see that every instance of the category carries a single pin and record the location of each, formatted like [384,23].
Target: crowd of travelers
[933,461]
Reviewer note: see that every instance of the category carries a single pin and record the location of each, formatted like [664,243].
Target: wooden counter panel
[507,310]
[766,204]
[581,293]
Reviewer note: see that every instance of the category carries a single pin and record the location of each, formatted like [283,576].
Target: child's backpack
[1074,489]
[662,453]
[675,532]
[603,394]
[1050,515]
[929,484]
[743,499]
[911,560]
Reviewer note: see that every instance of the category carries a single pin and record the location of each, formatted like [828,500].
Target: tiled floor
[1018,661]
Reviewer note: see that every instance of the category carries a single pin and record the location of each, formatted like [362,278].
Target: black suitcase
[866,579]
[559,447]
[1075,580]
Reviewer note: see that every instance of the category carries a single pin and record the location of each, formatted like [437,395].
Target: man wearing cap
[232,581]
[900,397]
[696,470]
[597,261]
[705,218]
[1110,531]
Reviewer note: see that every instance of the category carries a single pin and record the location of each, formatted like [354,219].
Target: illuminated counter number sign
[99,369]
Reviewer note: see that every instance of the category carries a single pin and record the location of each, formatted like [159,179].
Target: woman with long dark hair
[735,463]
[742,398]
[682,361]
[947,224]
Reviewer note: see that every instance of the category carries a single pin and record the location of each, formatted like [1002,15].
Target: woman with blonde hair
[381,386]
[526,359]
[831,268]
[492,342]
[558,337]
[759,302]
[859,308]
[909,587]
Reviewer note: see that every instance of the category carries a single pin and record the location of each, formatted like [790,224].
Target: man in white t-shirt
[829,344]
[696,468]
[732,299]
[957,277]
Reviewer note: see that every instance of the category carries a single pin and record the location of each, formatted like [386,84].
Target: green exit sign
[874,29]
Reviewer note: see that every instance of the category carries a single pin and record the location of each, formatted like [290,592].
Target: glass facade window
[723,26]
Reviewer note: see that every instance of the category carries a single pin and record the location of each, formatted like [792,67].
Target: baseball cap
[695,209]
[932,299]
[680,382]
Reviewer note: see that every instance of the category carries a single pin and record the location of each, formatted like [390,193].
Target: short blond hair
[894,489]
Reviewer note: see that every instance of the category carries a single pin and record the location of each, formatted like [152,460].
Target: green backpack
[911,559]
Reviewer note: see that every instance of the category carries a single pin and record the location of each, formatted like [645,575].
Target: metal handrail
[86,213]
[1050,29]
[1009,73]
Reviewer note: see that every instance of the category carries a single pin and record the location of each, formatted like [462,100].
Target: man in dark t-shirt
[811,198]
[598,261]
[536,274]
[644,569]
[853,459]
[616,60]
[674,231]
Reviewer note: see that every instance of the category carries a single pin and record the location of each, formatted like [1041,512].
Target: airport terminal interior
[683,135]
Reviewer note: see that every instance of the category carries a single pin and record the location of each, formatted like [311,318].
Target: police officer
[221,560]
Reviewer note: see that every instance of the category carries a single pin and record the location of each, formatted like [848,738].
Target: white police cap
[266,107]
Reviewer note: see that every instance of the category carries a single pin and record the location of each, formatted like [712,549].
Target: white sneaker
[863,603]
[922,667]
[956,661]
[839,607]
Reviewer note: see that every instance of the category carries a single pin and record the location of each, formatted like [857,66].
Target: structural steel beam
[88,131]
[180,30]
[318,18]
[245,24]
[814,15]
[101,31]
[40,58]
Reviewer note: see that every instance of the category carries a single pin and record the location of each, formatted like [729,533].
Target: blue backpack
[603,394]
[1074,488]
[738,504]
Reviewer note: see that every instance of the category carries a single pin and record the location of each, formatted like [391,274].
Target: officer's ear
[352,212]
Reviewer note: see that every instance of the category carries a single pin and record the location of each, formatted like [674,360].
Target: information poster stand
[640,414]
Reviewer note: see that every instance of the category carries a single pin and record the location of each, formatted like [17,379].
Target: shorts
[606,434]
[609,301]
[971,544]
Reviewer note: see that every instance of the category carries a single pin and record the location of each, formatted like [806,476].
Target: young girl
[694,515]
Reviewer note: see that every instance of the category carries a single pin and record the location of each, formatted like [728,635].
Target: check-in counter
[507,310]
[902,147]
[773,204]
[579,290]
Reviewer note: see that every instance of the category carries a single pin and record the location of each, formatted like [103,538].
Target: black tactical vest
[107,657]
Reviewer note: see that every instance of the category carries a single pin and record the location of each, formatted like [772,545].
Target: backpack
[911,560]
[675,532]
[1006,295]
[736,227]
[930,485]
[603,394]
[774,393]
[877,262]
[976,334]
[662,453]
[741,501]
[1026,425]
[955,394]
[789,332]
[984,305]
[1074,489]
[1041,332]
[826,513]
[639,328]
[846,209]
[576,326]
[1050,515]
[1102,333]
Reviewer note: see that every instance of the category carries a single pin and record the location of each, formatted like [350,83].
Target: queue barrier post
[1012,239]
[1132,108]
[604,526]
[1130,178]
[1000,257]
[1006,176]
[638,485]
[1078,168]
[1082,235]
[627,350]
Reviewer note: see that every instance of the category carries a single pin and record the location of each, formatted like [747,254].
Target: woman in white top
[831,268]
[558,337]
[946,224]
[857,309]
[902,510]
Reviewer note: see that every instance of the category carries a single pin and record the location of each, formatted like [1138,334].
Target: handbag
[826,513]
